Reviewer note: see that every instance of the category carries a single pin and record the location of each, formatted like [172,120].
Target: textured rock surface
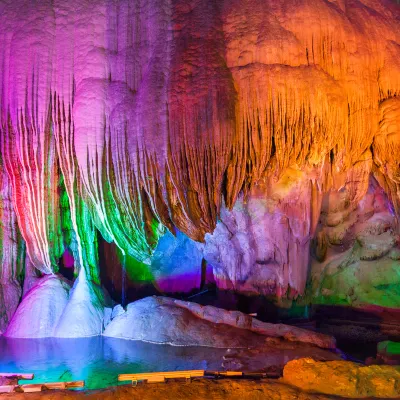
[165,320]
[262,245]
[244,321]
[10,294]
[388,352]
[131,118]
[159,322]
[343,378]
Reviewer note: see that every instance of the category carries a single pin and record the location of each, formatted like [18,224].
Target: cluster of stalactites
[150,112]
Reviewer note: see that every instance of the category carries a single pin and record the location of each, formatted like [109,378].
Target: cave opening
[66,265]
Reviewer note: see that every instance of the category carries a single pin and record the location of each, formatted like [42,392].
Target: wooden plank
[55,385]
[157,379]
[231,373]
[224,373]
[16,375]
[255,374]
[32,387]
[64,385]
[166,374]
[7,388]
[75,384]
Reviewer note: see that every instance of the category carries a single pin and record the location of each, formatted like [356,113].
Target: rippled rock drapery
[136,117]
[11,255]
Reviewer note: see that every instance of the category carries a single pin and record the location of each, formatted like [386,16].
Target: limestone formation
[167,321]
[230,121]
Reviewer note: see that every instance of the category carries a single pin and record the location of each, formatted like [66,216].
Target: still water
[99,360]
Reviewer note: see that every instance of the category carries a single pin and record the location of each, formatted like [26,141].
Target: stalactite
[84,231]
[11,258]
[30,161]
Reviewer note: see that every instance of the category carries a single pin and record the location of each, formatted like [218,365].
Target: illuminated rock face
[176,264]
[230,120]
[262,245]
[357,251]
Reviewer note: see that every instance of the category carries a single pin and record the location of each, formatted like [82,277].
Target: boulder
[343,378]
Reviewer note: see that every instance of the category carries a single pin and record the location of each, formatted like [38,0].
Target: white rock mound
[157,321]
[40,310]
[168,321]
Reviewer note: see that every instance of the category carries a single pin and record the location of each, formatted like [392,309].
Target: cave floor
[176,390]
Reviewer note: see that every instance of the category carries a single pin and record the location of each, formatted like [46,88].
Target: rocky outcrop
[343,378]
[388,352]
[356,250]
[244,321]
[155,321]
[262,245]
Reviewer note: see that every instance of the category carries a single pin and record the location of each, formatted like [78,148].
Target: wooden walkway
[148,377]
[33,387]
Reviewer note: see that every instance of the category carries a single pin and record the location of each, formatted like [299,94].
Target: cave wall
[230,121]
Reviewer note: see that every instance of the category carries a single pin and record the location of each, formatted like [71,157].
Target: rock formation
[255,126]
[356,251]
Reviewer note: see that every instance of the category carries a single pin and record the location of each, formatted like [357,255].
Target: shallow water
[99,360]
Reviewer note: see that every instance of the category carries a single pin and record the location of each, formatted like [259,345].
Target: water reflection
[99,360]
